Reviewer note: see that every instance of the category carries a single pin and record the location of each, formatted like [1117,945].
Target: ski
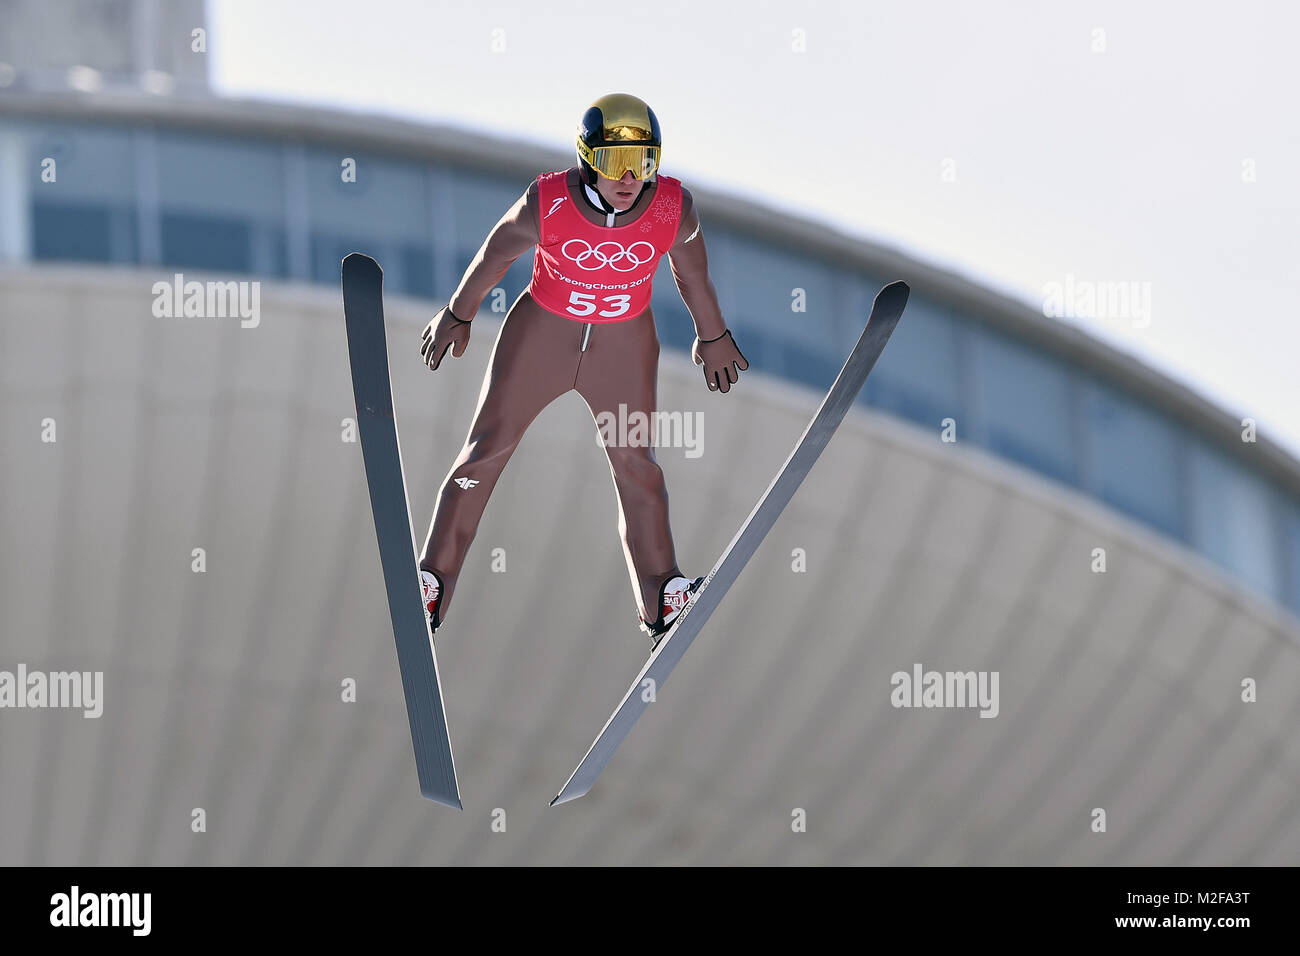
[886,310]
[363,309]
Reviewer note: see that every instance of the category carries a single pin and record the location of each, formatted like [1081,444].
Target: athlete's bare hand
[444,332]
[721,359]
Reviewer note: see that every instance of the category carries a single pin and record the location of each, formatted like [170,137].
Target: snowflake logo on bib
[666,210]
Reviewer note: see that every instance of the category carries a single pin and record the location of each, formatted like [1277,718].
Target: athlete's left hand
[721,359]
[443,333]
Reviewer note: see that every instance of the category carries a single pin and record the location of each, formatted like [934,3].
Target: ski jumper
[584,323]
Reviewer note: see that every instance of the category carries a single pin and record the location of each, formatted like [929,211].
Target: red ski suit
[584,323]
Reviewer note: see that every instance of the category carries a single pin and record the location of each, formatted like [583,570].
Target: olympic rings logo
[608,253]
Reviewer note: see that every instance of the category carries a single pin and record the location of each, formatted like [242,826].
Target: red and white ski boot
[673,597]
[431,589]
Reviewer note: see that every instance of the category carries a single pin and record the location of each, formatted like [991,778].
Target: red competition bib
[592,273]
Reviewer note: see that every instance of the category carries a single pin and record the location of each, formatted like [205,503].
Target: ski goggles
[613,161]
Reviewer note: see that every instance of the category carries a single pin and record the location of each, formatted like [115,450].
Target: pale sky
[1107,141]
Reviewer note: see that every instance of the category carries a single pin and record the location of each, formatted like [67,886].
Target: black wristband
[454,317]
[707,341]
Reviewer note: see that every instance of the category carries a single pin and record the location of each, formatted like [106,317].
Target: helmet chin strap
[600,204]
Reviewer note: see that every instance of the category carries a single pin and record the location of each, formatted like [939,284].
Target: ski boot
[431,589]
[675,594]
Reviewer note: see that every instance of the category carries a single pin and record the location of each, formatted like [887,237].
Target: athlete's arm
[690,263]
[511,237]
[515,234]
[715,347]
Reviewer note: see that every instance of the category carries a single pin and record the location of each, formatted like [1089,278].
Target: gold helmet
[617,133]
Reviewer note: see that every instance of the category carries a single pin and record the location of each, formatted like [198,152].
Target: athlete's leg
[533,362]
[621,367]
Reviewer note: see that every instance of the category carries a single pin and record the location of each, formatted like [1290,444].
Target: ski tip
[896,288]
[354,261]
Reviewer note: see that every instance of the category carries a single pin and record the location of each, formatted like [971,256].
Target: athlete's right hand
[444,332]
